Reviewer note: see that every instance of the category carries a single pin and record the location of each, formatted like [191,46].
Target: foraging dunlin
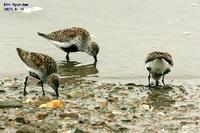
[73,40]
[41,67]
[158,64]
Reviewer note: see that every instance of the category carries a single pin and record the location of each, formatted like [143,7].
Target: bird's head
[93,49]
[53,82]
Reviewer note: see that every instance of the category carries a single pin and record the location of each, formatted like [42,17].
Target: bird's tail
[44,35]
[22,53]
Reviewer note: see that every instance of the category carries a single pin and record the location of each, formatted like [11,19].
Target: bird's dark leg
[25,83]
[57,94]
[67,56]
[157,82]
[163,80]
[39,83]
[149,79]
[95,58]
[43,93]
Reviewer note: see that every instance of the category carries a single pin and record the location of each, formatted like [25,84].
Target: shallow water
[125,30]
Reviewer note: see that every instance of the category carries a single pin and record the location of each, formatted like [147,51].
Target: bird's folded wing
[75,41]
[62,36]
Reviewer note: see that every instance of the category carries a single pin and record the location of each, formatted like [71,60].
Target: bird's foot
[25,93]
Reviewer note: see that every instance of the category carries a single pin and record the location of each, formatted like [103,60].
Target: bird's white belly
[34,71]
[60,44]
[158,66]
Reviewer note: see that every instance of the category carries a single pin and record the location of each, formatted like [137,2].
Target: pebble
[161,114]
[20,120]
[41,115]
[10,104]
[77,130]
[70,115]
[7,79]
[2,91]
[26,129]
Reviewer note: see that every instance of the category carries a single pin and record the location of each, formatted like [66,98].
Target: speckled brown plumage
[95,47]
[67,35]
[40,62]
[159,55]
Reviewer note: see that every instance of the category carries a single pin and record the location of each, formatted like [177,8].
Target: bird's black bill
[149,79]
[95,58]
[163,80]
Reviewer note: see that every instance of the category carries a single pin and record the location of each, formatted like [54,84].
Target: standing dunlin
[73,40]
[41,67]
[158,64]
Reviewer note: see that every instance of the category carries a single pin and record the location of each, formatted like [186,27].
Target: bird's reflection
[72,70]
[159,97]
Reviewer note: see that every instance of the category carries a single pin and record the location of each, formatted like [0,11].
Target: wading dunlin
[41,67]
[158,64]
[73,40]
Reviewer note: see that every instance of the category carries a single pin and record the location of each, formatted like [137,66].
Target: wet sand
[90,106]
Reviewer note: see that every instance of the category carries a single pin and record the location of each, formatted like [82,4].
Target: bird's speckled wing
[44,64]
[68,35]
[159,55]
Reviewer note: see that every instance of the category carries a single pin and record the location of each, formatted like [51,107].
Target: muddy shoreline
[100,107]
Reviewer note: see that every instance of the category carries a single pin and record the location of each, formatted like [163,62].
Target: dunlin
[73,40]
[158,64]
[41,67]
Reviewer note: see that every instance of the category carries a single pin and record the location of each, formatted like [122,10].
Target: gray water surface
[126,30]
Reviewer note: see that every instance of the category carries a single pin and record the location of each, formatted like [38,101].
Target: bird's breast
[158,66]
[35,73]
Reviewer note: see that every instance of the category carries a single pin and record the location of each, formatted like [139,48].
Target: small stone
[43,127]
[77,130]
[28,101]
[104,104]
[161,114]
[2,91]
[70,115]
[116,128]
[117,88]
[146,107]
[7,79]
[41,115]
[20,120]
[53,131]
[10,119]
[53,104]
[113,99]
[26,129]
[2,128]
[10,104]
[130,87]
